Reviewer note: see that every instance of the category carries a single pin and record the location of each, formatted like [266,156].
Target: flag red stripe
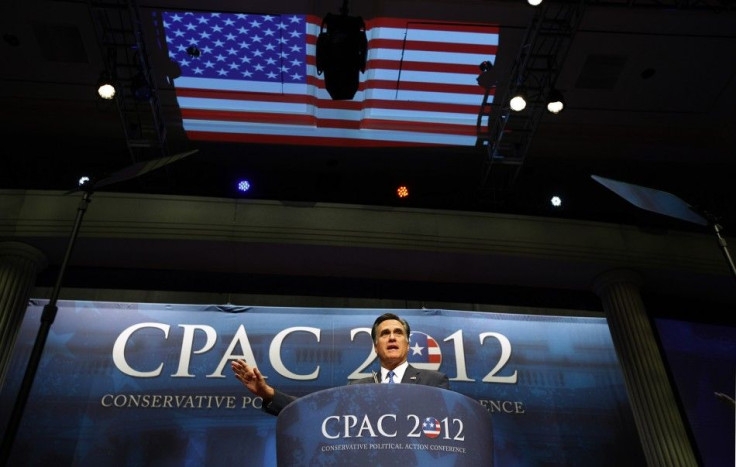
[429,25]
[285,98]
[256,117]
[366,123]
[339,123]
[416,86]
[423,106]
[423,66]
[420,127]
[408,86]
[330,104]
[301,140]
[431,46]
[402,23]
[239,95]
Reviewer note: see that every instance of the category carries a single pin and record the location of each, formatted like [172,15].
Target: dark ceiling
[650,88]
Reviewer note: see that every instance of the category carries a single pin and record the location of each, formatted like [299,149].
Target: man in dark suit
[390,335]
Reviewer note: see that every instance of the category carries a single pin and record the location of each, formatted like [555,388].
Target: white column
[661,429]
[19,265]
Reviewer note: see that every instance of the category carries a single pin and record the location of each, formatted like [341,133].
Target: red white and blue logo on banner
[424,352]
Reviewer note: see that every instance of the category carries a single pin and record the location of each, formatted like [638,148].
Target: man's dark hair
[385,317]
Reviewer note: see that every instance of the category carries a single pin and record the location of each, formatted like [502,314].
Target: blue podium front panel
[384,424]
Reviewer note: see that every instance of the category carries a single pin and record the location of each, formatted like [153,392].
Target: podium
[384,425]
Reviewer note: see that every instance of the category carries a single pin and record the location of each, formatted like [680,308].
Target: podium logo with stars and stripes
[431,427]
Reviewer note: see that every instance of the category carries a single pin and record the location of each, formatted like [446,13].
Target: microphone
[375,377]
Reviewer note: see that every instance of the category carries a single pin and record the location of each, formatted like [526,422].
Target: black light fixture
[486,77]
[342,47]
[555,102]
[106,86]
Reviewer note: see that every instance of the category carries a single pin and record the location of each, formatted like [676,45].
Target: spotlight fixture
[486,76]
[518,102]
[105,86]
[342,47]
[534,2]
[402,191]
[555,102]
[556,201]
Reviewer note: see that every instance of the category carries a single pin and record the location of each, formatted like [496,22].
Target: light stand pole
[49,310]
[47,319]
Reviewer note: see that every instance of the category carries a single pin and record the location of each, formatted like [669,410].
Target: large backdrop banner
[149,384]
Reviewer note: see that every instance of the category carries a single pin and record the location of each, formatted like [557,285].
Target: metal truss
[534,73]
[536,68]
[120,36]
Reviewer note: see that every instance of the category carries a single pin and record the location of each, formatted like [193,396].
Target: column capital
[25,251]
[603,281]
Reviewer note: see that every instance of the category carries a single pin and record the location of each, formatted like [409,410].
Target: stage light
[556,201]
[402,191]
[105,86]
[243,185]
[83,180]
[555,102]
[518,103]
[534,2]
[341,54]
